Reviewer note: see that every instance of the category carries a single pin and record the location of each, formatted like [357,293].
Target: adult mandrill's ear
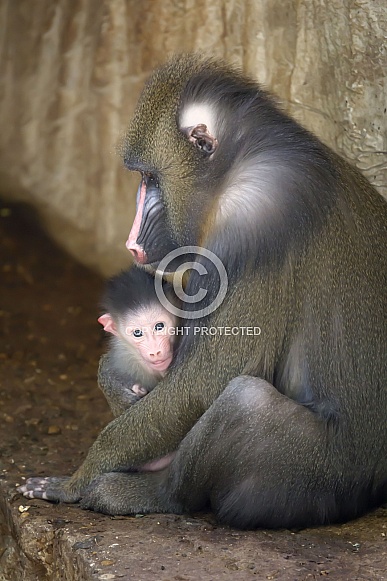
[202,138]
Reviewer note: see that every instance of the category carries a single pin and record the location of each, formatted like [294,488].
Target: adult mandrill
[285,429]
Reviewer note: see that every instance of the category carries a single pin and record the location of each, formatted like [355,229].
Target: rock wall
[71,72]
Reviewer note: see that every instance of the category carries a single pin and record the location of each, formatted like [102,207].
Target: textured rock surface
[71,72]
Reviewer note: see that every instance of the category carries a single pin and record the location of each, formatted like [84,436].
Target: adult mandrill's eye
[152,181]
[137,333]
[159,326]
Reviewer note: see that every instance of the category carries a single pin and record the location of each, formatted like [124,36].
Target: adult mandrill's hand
[54,488]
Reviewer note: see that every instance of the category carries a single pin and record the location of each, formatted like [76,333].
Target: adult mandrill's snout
[137,251]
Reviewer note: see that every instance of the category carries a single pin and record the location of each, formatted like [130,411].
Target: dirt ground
[51,410]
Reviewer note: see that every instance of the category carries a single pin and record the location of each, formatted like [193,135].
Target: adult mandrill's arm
[148,430]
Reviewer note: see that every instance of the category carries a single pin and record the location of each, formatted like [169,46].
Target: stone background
[71,72]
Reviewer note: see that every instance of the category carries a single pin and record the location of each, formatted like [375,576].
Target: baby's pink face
[152,332]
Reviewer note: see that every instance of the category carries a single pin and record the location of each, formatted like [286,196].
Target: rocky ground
[51,410]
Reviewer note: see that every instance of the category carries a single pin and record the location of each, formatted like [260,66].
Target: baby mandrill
[143,335]
[141,346]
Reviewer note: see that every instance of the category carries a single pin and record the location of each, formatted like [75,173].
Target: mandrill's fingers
[139,390]
[49,488]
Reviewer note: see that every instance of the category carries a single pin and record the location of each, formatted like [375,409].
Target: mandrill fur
[289,428]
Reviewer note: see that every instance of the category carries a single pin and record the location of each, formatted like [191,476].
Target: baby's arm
[121,390]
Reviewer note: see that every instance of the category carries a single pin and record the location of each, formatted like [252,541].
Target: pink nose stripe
[138,252]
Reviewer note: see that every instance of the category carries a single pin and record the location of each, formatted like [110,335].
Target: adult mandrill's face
[176,153]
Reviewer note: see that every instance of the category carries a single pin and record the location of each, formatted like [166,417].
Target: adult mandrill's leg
[259,459]
[129,493]
[256,456]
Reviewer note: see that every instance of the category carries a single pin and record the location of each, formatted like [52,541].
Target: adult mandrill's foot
[49,488]
[121,493]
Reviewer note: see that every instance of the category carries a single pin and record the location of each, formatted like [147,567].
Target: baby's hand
[139,390]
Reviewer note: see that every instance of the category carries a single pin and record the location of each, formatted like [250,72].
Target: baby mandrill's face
[151,332]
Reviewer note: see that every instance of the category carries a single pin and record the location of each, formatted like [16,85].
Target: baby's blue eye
[137,333]
[159,326]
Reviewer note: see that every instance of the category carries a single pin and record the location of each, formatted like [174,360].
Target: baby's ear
[108,324]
